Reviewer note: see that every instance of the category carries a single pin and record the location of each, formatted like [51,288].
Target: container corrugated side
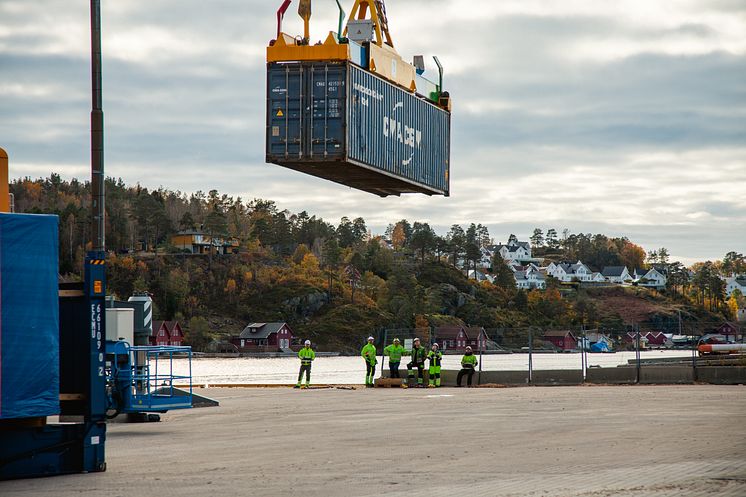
[397,132]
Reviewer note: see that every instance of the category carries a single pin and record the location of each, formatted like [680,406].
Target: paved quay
[530,441]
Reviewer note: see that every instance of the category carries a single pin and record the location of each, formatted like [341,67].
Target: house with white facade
[597,277]
[570,272]
[529,277]
[651,278]
[485,260]
[735,282]
[616,274]
[480,276]
[514,251]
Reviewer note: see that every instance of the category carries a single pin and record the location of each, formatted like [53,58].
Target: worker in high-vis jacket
[418,355]
[468,366]
[306,356]
[369,355]
[394,352]
[435,356]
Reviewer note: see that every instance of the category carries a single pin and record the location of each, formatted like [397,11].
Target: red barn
[264,337]
[166,333]
[451,337]
[563,340]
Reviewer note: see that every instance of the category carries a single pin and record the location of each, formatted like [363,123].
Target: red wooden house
[166,333]
[647,338]
[261,337]
[729,330]
[563,340]
[451,337]
[477,337]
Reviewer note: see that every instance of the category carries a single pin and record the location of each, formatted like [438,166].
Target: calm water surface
[351,370]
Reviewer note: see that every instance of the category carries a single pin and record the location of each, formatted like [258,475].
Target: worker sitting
[395,352]
[306,356]
[435,357]
[369,354]
[419,354]
[468,366]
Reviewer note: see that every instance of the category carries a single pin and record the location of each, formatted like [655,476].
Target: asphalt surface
[529,441]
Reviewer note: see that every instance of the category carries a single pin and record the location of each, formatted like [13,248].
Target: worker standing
[468,366]
[306,356]
[418,354]
[395,351]
[435,356]
[369,355]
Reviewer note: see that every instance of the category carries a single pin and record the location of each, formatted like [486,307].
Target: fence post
[637,351]
[530,355]
[481,348]
[694,361]
[383,345]
[583,357]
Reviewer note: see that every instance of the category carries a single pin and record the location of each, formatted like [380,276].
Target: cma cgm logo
[401,132]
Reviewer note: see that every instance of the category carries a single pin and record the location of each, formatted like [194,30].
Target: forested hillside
[337,283]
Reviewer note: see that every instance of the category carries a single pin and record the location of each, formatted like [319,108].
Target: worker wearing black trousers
[418,354]
[468,366]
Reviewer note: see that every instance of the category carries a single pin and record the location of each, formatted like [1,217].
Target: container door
[326,91]
[285,110]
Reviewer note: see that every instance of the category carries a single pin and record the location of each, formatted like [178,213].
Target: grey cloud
[194,119]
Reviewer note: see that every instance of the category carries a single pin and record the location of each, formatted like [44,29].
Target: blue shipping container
[29,316]
[342,123]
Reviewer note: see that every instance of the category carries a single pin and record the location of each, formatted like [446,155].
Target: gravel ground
[529,441]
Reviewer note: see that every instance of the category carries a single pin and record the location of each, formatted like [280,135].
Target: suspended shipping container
[337,121]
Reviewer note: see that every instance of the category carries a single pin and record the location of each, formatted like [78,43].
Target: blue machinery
[141,379]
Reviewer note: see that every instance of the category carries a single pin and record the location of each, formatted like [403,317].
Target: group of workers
[418,355]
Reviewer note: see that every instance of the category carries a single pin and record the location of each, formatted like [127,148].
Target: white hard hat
[370,338]
[436,345]
[416,339]
[308,342]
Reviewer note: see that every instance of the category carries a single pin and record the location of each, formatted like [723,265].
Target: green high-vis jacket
[369,353]
[435,357]
[306,355]
[419,354]
[394,352]
[469,361]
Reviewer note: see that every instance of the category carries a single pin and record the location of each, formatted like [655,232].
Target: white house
[480,276]
[652,279]
[485,260]
[570,272]
[597,277]
[530,277]
[735,283]
[616,274]
[513,251]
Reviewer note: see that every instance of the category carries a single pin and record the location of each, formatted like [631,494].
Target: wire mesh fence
[567,354]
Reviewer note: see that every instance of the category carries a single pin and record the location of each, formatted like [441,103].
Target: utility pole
[97,133]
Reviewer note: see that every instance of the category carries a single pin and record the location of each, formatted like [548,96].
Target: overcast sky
[626,118]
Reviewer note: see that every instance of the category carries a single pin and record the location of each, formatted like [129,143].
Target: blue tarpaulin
[600,347]
[29,316]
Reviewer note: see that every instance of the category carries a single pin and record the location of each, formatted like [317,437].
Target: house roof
[448,332]
[261,330]
[558,333]
[169,325]
[613,270]
[474,331]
